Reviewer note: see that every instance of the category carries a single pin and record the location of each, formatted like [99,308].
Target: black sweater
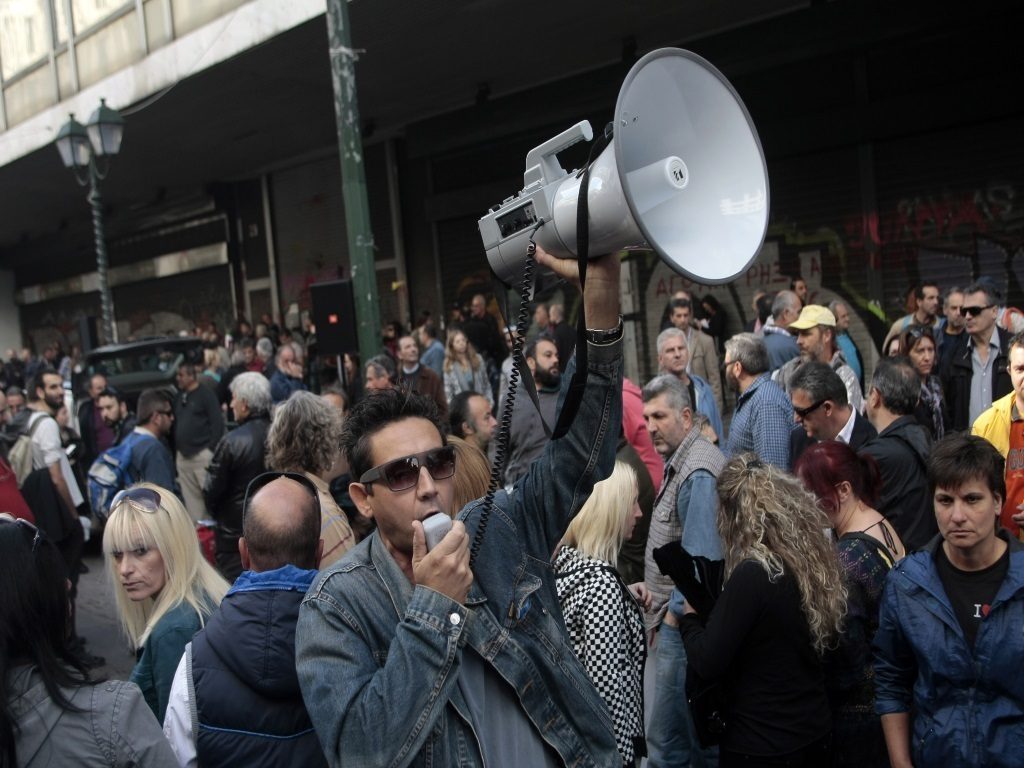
[758,642]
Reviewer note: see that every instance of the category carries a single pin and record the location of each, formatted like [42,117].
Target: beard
[551,377]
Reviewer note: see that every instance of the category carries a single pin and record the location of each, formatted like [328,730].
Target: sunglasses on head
[261,481]
[402,474]
[37,535]
[142,499]
[803,413]
[974,311]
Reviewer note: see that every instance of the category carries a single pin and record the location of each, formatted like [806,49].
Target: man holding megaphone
[456,655]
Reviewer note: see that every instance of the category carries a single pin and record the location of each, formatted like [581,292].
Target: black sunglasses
[803,413]
[260,481]
[974,311]
[37,535]
[142,499]
[403,474]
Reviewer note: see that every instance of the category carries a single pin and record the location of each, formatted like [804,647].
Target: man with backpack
[141,457]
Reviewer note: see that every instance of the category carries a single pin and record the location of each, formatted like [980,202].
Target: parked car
[138,365]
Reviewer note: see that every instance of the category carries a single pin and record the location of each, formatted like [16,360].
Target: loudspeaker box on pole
[334,316]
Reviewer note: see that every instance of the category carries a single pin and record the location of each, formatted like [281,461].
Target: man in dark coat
[237,680]
[974,372]
[823,412]
[238,458]
[901,451]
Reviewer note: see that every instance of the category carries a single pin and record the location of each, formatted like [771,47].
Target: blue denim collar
[287,578]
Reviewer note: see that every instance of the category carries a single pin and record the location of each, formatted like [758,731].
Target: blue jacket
[707,406]
[379,658]
[248,707]
[282,386]
[968,706]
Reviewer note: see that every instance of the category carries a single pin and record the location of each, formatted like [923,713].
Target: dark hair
[376,411]
[898,383]
[189,369]
[458,412]
[764,307]
[34,624]
[430,329]
[820,382]
[919,290]
[958,459]
[983,286]
[531,348]
[910,337]
[284,541]
[112,392]
[679,304]
[246,342]
[37,382]
[824,465]
[150,403]
[794,280]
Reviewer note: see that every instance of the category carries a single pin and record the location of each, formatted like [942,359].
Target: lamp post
[79,148]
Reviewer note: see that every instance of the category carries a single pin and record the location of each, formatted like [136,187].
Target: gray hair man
[901,450]
[778,341]
[222,684]
[674,357]
[237,459]
[684,512]
[763,417]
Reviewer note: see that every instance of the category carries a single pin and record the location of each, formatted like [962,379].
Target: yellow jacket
[994,424]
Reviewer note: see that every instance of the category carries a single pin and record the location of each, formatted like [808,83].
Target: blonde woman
[472,473]
[163,587]
[604,616]
[464,369]
[782,605]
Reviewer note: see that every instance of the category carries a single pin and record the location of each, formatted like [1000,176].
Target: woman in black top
[781,606]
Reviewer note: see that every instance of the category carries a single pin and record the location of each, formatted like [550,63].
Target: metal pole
[353,179]
[106,303]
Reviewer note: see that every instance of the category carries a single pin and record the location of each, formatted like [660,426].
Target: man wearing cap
[816,338]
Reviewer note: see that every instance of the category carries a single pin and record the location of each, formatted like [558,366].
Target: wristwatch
[604,338]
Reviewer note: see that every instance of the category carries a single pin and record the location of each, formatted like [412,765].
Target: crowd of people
[829,572]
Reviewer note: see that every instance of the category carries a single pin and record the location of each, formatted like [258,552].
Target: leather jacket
[238,458]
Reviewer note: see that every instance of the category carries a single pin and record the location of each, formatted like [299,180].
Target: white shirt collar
[846,433]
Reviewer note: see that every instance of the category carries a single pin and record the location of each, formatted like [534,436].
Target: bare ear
[361,497]
[243,551]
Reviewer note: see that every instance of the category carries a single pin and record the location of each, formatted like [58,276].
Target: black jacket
[800,442]
[247,700]
[901,451]
[957,372]
[237,459]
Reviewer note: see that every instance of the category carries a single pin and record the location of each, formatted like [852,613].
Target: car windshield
[129,362]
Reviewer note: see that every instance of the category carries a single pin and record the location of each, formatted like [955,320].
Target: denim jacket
[379,658]
[967,704]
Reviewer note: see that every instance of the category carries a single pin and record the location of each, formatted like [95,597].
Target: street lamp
[79,147]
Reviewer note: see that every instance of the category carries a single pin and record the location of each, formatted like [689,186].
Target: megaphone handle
[574,396]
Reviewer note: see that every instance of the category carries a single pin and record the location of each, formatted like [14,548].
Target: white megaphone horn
[685,176]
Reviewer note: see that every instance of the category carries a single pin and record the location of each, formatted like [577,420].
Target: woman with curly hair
[163,587]
[464,369]
[918,343]
[781,607]
[305,437]
[847,486]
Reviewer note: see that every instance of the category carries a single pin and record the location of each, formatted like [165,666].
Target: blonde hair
[768,516]
[451,356]
[597,530]
[189,578]
[472,473]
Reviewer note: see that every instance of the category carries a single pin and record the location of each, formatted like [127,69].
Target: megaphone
[685,176]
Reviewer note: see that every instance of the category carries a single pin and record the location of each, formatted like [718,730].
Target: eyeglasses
[37,535]
[974,311]
[260,481]
[803,413]
[403,474]
[143,499]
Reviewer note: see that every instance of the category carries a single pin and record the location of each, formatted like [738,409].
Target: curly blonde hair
[768,516]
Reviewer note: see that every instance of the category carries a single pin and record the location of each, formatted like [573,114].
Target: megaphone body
[685,176]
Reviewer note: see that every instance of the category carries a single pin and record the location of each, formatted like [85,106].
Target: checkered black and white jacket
[606,629]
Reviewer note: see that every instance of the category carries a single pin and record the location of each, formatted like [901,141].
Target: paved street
[97,619]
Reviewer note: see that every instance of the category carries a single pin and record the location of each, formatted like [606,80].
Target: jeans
[671,740]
